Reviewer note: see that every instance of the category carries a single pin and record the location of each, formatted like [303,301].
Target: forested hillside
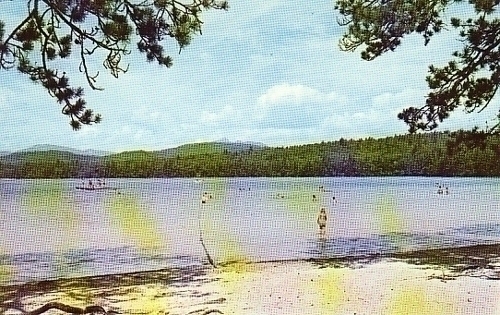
[418,154]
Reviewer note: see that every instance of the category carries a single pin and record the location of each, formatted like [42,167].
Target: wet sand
[384,286]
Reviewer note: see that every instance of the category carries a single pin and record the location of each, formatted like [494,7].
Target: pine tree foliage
[57,29]
[469,81]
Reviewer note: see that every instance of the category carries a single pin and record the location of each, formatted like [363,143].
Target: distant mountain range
[51,161]
[49,147]
[186,149]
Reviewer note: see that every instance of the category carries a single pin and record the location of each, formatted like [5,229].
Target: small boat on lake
[89,185]
[95,188]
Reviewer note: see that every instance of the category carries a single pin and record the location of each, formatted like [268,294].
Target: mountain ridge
[51,147]
[230,146]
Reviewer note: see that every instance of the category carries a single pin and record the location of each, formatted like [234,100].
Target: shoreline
[384,286]
[454,258]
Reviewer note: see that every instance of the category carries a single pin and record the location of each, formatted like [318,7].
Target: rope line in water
[210,260]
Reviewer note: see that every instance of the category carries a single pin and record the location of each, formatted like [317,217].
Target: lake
[49,229]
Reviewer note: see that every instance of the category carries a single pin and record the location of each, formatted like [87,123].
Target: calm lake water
[49,229]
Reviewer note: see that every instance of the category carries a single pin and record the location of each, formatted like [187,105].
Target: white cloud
[296,106]
[377,117]
[394,103]
[213,117]
[286,93]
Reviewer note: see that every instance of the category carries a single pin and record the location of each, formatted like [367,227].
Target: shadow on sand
[462,260]
[11,296]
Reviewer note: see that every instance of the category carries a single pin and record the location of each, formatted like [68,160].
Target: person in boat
[322,218]
[91,185]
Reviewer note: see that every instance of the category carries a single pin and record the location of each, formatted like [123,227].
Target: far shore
[380,286]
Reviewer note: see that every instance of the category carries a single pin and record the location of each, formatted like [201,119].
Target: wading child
[322,220]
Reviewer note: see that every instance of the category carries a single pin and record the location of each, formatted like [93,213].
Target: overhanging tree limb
[94,26]
[470,81]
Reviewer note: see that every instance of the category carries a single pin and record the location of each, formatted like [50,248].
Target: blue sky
[267,71]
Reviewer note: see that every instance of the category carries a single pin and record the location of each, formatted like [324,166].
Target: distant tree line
[431,154]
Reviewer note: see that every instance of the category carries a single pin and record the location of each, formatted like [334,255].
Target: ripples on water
[246,219]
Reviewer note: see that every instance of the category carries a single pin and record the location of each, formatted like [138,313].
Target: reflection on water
[49,229]
[376,245]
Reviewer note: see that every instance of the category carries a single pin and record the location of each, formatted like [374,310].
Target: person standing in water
[322,218]
[204,198]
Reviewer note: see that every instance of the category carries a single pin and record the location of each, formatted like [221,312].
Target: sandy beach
[386,286]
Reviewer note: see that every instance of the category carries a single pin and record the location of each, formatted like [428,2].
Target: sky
[264,71]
